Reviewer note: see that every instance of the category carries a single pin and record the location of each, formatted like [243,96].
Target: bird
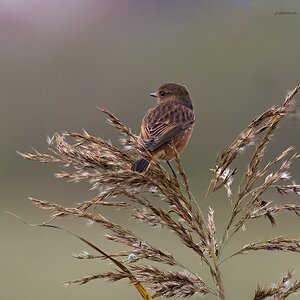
[165,126]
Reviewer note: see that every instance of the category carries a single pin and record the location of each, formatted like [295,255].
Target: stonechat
[166,126]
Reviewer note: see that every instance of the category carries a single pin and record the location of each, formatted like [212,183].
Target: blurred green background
[61,59]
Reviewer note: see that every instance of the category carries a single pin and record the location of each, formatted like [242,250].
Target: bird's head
[173,91]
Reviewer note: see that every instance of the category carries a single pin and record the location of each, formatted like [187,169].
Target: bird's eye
[162,93]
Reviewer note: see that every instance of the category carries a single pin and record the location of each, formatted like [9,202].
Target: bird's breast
[166,151]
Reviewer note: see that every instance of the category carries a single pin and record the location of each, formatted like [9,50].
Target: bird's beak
[153,94]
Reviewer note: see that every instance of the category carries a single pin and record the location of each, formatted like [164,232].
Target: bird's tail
[140,165]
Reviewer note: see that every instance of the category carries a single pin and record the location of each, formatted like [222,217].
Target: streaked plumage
[169,122]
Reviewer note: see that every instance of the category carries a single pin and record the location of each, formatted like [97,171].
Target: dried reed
[107,169]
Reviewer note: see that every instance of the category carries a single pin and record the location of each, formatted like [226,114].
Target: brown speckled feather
[164,122]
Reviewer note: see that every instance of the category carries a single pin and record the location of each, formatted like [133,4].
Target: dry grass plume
[107,168]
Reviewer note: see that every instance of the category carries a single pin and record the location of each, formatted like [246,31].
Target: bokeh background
[59,60]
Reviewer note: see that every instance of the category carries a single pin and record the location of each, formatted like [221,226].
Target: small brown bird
[166,125]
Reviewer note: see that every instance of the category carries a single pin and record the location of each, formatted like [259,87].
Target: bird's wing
[155,134]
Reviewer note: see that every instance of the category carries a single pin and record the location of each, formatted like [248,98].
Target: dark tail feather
[140,165]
